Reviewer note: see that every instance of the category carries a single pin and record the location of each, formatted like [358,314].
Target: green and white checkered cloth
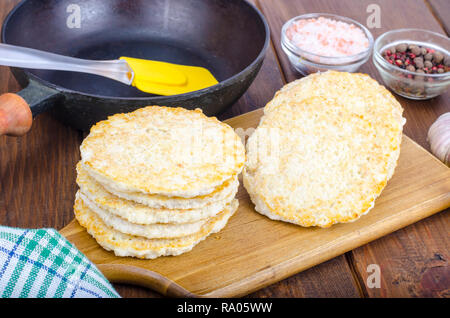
[43,264]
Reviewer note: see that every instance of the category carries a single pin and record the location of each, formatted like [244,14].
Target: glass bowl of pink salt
[321,42]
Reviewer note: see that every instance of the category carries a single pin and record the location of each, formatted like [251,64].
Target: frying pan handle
[17,110]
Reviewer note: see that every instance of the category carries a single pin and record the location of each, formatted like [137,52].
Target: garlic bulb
[439,138]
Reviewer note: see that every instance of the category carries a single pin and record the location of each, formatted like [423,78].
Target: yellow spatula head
[166,79]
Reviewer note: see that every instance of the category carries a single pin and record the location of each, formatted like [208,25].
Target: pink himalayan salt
[327,37]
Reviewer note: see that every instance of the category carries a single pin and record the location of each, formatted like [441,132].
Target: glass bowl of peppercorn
[414,63]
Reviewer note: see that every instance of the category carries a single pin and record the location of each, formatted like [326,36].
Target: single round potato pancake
[163,150]
[319,158]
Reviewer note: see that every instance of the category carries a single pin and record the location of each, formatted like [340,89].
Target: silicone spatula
[152,77]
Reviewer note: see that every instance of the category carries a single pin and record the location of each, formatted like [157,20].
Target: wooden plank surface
[441,11]
[405,270]
[413,261]
[253,251]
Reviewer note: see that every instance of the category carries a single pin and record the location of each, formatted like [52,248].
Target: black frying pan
[229,37]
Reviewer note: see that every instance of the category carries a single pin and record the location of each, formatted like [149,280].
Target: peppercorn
[440,70]
[447,61]
[437,57]
[428,57]
[398,62]
[401,48]
[419,62]
[416,50]
[411,68]
[428,64]
[423,50]
[418,77]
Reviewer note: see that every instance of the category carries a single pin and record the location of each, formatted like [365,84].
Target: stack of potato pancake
[157,181]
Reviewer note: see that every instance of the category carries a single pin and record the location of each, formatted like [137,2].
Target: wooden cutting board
[254,251]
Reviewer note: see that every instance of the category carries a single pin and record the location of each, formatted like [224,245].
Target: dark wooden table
[37,172]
